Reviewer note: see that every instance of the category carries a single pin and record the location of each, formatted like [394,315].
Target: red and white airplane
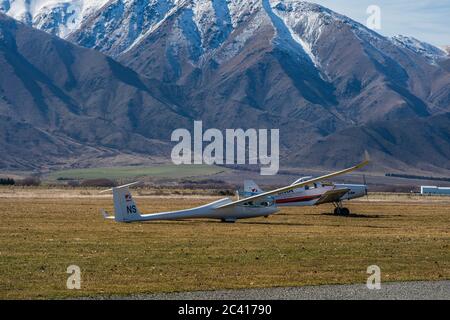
[312,194]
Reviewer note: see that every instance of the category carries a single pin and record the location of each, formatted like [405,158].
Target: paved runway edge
[412,290]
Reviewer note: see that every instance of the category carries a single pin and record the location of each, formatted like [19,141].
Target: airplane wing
[122,187]
[331,196]
[297,185]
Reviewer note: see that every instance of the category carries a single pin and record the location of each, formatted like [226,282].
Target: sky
[426,20]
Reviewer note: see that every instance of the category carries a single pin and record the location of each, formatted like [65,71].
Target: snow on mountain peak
[428,51]
[58,17]
[307,21]
[116,26]
[446,49]
[122,24]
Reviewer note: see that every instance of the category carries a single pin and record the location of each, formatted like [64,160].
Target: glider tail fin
[125,209]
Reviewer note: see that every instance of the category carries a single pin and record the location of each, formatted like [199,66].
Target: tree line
[28,181]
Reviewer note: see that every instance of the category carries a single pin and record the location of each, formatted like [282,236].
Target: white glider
[227,210]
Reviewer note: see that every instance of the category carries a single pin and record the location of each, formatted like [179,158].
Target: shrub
[226,193]
[7,182]
[30,181]
[73,183]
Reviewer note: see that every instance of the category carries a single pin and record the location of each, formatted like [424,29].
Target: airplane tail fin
[250,187]
[125,209]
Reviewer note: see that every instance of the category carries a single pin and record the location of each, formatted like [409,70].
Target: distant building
[434,190]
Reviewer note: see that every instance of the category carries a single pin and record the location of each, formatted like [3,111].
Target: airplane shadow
[183,221]
[272,223]
[352,215]
[241,221]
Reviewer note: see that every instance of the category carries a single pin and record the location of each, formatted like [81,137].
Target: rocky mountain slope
[296,66]
[315,74]
[58,100]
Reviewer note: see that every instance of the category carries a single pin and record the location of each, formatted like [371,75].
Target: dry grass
[41,237]
[58,192]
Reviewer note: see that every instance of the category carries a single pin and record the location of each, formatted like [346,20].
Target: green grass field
[160,171]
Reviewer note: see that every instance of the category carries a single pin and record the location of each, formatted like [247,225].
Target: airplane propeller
[365,183]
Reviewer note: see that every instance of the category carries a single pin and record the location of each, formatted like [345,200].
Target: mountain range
[108,78]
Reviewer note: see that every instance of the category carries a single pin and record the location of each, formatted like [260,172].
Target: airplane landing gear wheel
[341,211]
